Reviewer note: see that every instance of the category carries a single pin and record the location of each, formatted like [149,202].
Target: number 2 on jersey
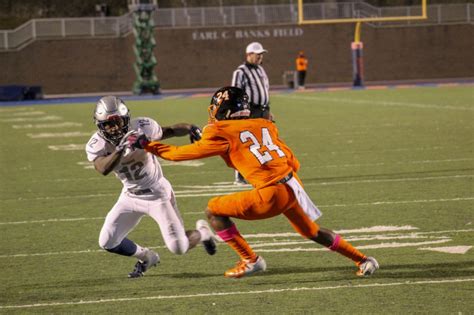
[134,172]
[255,147]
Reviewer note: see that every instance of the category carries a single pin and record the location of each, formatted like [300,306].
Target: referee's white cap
[255,48]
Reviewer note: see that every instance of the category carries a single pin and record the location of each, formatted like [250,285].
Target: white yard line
[371,246]
[375,203]
[67,147]
[19,119]
[86,251]
[231,186]
[51,220]
[14,109]
[375,229]
[47,135]
[377,103]
[53,125]
[28,113]
[215,190]
[250,292]
[392,163]
[256,244]
[352,239]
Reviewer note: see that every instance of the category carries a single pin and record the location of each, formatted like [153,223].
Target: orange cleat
[246,268]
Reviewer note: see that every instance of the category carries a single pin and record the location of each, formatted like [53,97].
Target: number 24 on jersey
[264,156]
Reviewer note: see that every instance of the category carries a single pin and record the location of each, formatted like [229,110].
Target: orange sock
[345,248]
[233,238]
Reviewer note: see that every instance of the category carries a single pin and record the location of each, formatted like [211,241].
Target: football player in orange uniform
[253,147]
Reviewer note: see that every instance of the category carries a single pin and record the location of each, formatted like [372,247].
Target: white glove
[125,144]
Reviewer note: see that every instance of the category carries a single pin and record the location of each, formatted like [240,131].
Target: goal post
[312,12]
[303,19]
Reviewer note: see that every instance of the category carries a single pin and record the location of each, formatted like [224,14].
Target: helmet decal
[229,103]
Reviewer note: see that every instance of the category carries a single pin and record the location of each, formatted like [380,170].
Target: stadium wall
[206,57]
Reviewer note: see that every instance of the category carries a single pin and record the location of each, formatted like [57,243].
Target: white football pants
[127,213]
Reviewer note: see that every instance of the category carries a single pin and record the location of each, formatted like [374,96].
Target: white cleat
[246,268]
[208,238]
[367,267]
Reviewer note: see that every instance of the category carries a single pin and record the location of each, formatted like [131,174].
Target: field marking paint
[178,195]
[354,239]
[362,230]
[45,135]
[378,103]
[67,147]
[377,228]
[257,244]
[19,119]
[450,250]
[28,113]
[392,163]
[251,292]
[15,109]
[376,203]
[385,180]
[372,246]
[86,251]
[51,220]
[231,186]
[90,165]
[40,126]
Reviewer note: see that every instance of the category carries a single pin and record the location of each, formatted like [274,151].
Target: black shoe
[210,246]
[206,233]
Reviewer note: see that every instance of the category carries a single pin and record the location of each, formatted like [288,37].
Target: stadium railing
[226,16]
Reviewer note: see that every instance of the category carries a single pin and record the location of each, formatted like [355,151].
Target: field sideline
[392,171]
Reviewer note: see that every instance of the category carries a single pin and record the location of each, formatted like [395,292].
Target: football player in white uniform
[115,148]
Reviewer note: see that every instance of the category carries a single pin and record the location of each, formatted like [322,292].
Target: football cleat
[239,179]
[208,238]
[151,260]
[367,267]
[246,268]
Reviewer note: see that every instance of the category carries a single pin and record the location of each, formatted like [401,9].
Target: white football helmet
[112,118]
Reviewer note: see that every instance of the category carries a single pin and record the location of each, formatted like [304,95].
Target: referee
[252,78]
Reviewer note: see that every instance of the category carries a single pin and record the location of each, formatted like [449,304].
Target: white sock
[141,252]
[204,235]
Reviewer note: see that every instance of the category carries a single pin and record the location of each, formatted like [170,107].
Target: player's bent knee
[178,247]
[106,242]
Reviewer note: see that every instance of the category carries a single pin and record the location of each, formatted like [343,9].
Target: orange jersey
[301,64]
[251,146]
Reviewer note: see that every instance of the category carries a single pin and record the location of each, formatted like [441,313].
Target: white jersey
[139,171]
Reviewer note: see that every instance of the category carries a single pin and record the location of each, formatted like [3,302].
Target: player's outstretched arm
[182,129]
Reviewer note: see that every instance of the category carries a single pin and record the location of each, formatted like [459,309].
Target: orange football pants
[263,203]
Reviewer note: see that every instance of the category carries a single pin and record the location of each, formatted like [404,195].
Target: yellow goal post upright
[357,45]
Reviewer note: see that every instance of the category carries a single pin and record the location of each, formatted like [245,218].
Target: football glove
[124,142]
[138,141]
[195,133]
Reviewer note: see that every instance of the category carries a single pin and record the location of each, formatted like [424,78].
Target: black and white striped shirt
[254,81]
